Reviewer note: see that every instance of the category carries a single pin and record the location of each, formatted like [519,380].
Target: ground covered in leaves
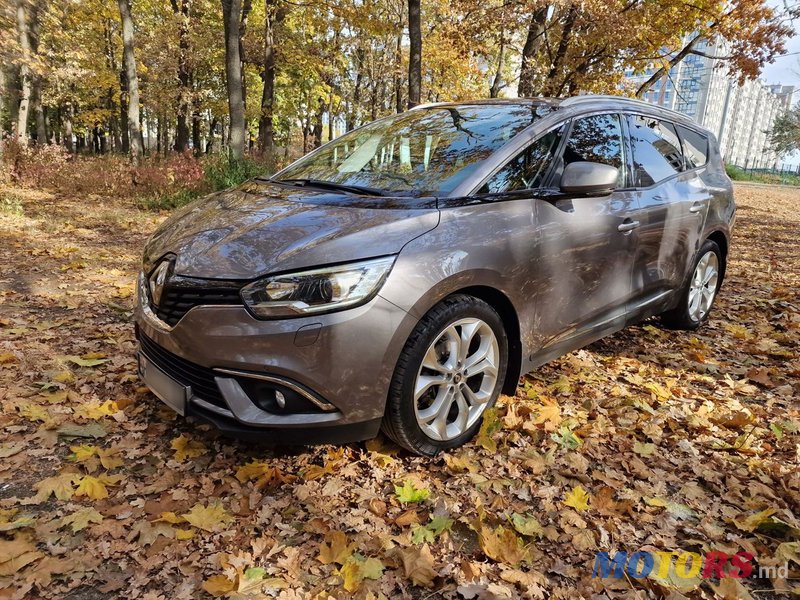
[651,440]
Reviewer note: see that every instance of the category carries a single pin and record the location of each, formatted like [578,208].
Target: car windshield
[427,151]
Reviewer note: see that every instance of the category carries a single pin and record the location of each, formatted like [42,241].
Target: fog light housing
[277,399]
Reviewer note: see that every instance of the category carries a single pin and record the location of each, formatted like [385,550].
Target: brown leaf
[418,564]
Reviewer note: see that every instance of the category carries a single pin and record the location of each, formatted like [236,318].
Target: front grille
[181,294]
[200,379]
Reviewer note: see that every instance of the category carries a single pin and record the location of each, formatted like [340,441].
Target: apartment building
[741,116]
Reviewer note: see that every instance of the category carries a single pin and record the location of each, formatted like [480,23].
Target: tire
[686,314]
[438,340]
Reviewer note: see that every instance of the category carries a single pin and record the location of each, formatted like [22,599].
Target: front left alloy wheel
[450,371]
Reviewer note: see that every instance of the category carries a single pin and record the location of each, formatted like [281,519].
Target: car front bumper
[341,363]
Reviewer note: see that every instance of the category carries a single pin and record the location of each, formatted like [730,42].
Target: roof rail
[427,105]
[593,97]
[574,100]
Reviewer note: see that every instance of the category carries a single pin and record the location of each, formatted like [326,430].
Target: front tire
[449,372]
[699,292]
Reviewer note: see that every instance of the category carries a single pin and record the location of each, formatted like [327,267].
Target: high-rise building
[741,116]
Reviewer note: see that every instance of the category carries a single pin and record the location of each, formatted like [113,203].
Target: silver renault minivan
[405,274]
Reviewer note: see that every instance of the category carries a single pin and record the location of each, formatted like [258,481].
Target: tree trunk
[23,34]
[181,9]
[398,70]
[129,58]
[196,142]
[330,115]
[494,91]
[415,53]
[247,6]
[351,120]
[536,33]
[231,12]
[318,123]
[266,126]
[68,143]
[563,46]
[38,112]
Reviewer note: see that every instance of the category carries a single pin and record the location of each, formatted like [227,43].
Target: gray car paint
[555,265]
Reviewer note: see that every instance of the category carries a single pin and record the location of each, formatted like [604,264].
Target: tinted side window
[597,139]
[527,169]
[656,150]
[695,147]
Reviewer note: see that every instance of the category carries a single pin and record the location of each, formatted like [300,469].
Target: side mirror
[586,177]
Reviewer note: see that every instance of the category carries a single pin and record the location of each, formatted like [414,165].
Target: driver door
[584,246]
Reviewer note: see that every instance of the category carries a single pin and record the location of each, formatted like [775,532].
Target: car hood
[262,228]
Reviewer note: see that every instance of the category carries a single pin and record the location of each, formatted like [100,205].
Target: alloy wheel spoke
[486,366]
[443,396]
[424,382]
[480,354]
[468,331]
[474,399]
[431,361]
[462,418]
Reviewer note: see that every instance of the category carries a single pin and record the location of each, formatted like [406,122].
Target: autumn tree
[785,135]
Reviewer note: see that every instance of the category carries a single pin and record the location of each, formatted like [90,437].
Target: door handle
[696,208]
[628,225]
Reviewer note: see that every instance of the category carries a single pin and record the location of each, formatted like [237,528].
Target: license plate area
[169,391]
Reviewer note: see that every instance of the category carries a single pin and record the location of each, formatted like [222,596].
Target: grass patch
[11,204]
[763,176]
[219,173]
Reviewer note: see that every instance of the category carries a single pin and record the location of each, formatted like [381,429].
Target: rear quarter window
[695,147]
[656,150]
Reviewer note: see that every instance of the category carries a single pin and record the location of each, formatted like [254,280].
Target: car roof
[579,104]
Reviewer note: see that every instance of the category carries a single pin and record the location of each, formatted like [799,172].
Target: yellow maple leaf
[95,487]
[752,522]
[336,550]
[355,570]
[170,517]
[33,412]
[502,545]
[62,486]
[83,452]
[578,498]
[219,585]
[186,448]
[208,518]
[184,534]
[95,410]
[81,518]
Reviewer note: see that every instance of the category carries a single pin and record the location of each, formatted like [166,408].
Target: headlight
[319,290]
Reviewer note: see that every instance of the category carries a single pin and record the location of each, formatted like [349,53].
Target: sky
[786,69]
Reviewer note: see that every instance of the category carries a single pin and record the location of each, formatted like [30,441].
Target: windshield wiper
[332,185]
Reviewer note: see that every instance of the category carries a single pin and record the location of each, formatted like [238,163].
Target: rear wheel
[450,371]
[700,291]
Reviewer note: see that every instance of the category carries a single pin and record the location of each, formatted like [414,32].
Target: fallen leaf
[578,498]
[212,517]
[81,518]
[418,564]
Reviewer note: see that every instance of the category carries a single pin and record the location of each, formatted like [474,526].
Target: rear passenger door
[672,203]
